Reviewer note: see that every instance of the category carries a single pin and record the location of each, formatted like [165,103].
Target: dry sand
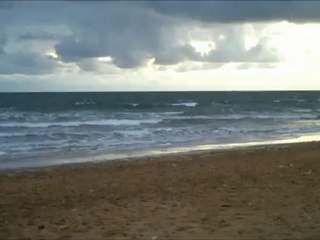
[268,193]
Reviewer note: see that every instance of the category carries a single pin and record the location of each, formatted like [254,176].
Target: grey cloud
[260,53]
[27,63]
[134,32]
[132,59]
[129,34]
[176,54]
[6,4]
[38,36]
[245,66]
[240,11]
[133,35]
[232,48]
[195,66]
[96,66]
[3,40]
[88,65]
[69,49]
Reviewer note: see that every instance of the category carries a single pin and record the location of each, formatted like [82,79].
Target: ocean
[42,129]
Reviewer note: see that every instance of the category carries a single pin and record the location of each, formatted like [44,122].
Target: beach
[269,192]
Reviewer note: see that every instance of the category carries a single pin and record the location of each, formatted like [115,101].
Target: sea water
[38,129]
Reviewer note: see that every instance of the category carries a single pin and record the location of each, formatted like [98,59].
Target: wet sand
[267,193]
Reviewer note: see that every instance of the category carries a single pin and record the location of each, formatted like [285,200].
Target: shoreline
[261,193]
[154,153]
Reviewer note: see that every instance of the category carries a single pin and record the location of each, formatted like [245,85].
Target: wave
[283,116]
[16,134]
[157,118]
[131,133]
[40,134]
[170,113]
[185,104]
[138,133]
[268,131]
[289,100]
[195,117]
[107,122]
[242,130]
[244,116]
[301,110]
[134,104]
[85,102]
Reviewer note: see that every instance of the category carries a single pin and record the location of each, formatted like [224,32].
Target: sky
[159,45]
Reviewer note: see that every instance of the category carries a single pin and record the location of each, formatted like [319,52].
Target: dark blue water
[47,124]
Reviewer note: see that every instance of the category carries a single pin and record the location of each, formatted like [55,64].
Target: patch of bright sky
[298,44]
[203,47]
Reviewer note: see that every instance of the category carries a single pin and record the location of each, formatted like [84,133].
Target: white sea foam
[247,116]
[13,134]
[191,117]
[170,113]
[133,133]
[85,102]
[134,104]
[301,110]
[106,122]
[186,104]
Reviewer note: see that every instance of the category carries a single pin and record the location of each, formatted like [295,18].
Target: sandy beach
[266,193]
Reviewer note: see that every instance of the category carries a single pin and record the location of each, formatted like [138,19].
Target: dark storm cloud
[240,11]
